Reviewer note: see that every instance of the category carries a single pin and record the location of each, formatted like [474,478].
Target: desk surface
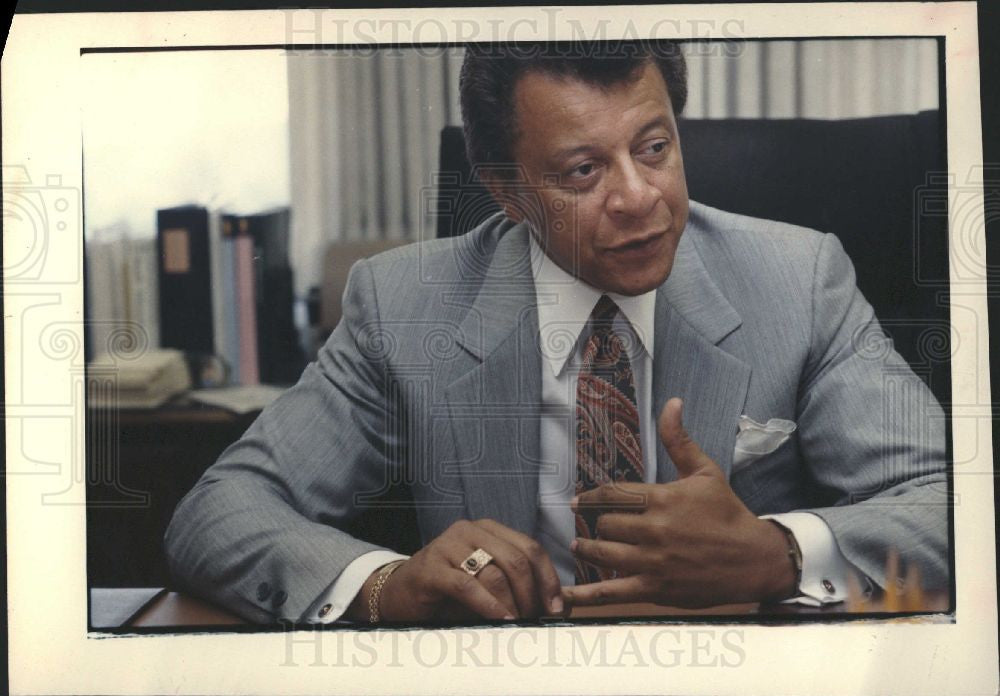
[160,608]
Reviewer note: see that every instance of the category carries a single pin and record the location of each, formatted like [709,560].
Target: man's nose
[631,193]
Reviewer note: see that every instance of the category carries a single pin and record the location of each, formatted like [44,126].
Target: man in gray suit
[527,382]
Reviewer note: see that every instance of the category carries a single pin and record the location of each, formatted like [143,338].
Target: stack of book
[121,290]
[226,290]
[145,381]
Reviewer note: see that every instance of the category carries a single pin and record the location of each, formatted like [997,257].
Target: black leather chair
[874,182]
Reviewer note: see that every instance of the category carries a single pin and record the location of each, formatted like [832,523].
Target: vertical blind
[365,125]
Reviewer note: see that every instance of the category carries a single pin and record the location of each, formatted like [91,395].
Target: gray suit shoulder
[428,280]
[441,260]
[745,234]
[749,257]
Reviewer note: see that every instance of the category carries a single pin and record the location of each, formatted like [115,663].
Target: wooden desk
[140,463]
[163,609]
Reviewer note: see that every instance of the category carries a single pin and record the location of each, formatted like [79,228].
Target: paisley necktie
[608,448]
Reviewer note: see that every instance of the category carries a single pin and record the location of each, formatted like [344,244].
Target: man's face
[606,165]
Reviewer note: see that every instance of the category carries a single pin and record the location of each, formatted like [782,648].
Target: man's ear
[504,192]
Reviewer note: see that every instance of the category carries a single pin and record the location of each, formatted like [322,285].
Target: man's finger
[547,588]
[493,578]
[630,529]
[468,591]
[685,453]
[610,554]
[517,580]
[621,496]
[500,576]
[619,590]
[459,541]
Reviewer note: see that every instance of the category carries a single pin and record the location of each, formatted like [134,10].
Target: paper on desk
[238,399]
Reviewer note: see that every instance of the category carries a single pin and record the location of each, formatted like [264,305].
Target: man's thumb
[685,452]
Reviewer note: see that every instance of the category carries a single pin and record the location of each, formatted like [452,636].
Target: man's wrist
[783,566]
[358,609]
[369,604]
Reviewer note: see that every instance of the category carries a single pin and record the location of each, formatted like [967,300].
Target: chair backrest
[869,181]
[337,262]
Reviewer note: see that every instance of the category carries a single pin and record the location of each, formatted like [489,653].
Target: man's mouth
[641,243]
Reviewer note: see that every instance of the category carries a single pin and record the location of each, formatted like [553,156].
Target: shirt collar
[565,304]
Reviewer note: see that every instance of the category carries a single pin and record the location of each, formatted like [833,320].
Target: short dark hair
[491,71]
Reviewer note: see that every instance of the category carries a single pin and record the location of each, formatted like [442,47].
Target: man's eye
[656,148]
[582,171]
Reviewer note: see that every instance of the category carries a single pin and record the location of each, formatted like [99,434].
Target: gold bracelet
[374,599]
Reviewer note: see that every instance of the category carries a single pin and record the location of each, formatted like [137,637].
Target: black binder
[185,277]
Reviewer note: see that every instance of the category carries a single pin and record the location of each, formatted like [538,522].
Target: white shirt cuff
[333,602]
[824,569]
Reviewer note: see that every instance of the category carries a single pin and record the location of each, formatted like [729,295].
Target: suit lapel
[692,318]
[494,396]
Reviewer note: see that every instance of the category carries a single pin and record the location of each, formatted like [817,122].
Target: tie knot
[604,346]
[604,311]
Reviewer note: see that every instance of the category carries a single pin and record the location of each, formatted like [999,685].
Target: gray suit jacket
[433,378]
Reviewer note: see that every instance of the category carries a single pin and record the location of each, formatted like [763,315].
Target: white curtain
[828,79]
[365,131]
[365,126]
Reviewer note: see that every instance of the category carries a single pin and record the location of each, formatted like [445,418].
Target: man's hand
[693,543]
[520,582]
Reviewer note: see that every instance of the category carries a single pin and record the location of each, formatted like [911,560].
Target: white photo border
[50,650]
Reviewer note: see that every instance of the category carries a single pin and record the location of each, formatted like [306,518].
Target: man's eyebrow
[653,124]
[568,152]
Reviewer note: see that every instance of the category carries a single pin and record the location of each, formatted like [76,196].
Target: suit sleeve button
[263,591]
[325,610]
[279,598]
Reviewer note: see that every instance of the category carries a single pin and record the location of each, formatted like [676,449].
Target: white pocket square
[757,439]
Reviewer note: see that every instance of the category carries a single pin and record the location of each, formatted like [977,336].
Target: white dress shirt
[564,305]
